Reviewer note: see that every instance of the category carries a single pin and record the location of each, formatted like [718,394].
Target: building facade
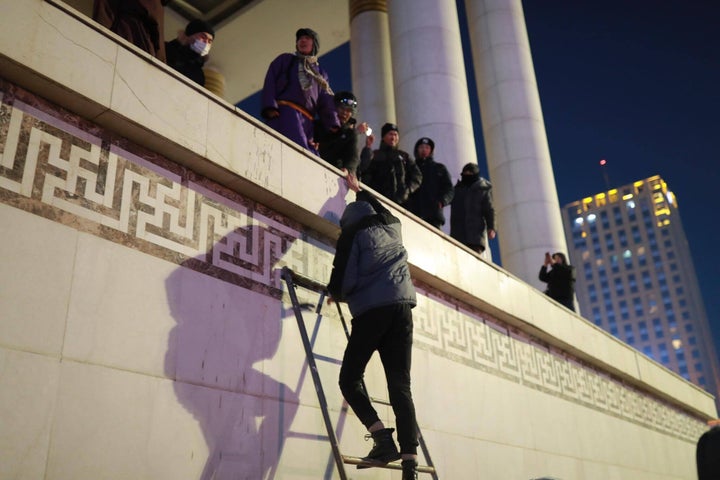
[635,276]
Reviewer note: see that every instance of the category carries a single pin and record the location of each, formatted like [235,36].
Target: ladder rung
[304,281]
[325,358]
[392,465]
[380,401]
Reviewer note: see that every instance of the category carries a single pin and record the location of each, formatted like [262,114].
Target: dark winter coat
[393,174]
[560,281]
[370,268]
[282,83]
[472,212]
[141,22]
[339,148]
[436,189]
[183,59]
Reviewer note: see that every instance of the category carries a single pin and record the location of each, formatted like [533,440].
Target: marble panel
[119,313]
[101,424]
[244,148]
[156,102]
[55,45]
[36,262]
[28,390]
[327,194]
[549,317]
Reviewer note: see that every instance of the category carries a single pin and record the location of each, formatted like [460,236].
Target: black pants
[388,330]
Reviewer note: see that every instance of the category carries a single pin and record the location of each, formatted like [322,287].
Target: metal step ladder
[294,280]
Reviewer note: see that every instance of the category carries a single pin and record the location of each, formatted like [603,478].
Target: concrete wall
[145,333]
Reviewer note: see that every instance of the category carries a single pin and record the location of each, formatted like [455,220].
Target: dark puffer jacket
[472,212]
[184,60]
[370,268]
[436,189]
[393,174]
[339,148]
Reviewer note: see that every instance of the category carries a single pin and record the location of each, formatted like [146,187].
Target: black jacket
[185,61]
[560,281]
[471,212]
[393,174]
[339,148]
[436,188]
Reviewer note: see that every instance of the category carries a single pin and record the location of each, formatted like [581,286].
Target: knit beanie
[425,141]
[388,127]
[197,26]
[471,168]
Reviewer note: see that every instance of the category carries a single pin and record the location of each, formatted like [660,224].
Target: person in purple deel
[297,90]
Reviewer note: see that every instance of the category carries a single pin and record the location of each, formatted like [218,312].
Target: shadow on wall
[226,324]
[222,331]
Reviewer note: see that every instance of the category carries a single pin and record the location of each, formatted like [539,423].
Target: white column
[431,92]
[525,196]
[370,63]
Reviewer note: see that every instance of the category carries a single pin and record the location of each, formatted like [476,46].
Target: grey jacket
[370,268]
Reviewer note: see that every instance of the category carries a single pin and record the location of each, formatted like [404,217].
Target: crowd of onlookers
[298,102]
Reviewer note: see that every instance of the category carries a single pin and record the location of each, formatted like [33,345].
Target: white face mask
[200,47]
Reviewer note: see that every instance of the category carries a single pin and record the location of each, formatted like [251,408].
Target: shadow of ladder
[294,280]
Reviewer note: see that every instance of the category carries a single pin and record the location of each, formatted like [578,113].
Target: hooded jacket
[370,267]
[436,188]
[472,212]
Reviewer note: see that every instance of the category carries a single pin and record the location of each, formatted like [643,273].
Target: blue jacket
[370,269]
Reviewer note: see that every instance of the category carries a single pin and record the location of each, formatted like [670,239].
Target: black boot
[384,449]
[409,468]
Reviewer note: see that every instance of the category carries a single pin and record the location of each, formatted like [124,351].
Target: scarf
[307,73]
[468,180]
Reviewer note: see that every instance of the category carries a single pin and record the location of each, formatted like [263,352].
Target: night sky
[635,82]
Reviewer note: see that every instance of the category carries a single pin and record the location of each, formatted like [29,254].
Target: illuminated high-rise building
[635,277]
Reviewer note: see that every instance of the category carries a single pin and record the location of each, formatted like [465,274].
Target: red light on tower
[604,171]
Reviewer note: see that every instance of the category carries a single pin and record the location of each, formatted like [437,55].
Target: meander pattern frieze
[57,166]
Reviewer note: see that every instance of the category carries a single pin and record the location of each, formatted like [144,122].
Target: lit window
[630,204]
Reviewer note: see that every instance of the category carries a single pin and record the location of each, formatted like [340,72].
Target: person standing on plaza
[370,273]
[140,22]
[560,279]
[436,190]
[391,172]
[296,90]
[471,210]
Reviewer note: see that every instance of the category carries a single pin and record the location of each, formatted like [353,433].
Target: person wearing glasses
[340,147]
